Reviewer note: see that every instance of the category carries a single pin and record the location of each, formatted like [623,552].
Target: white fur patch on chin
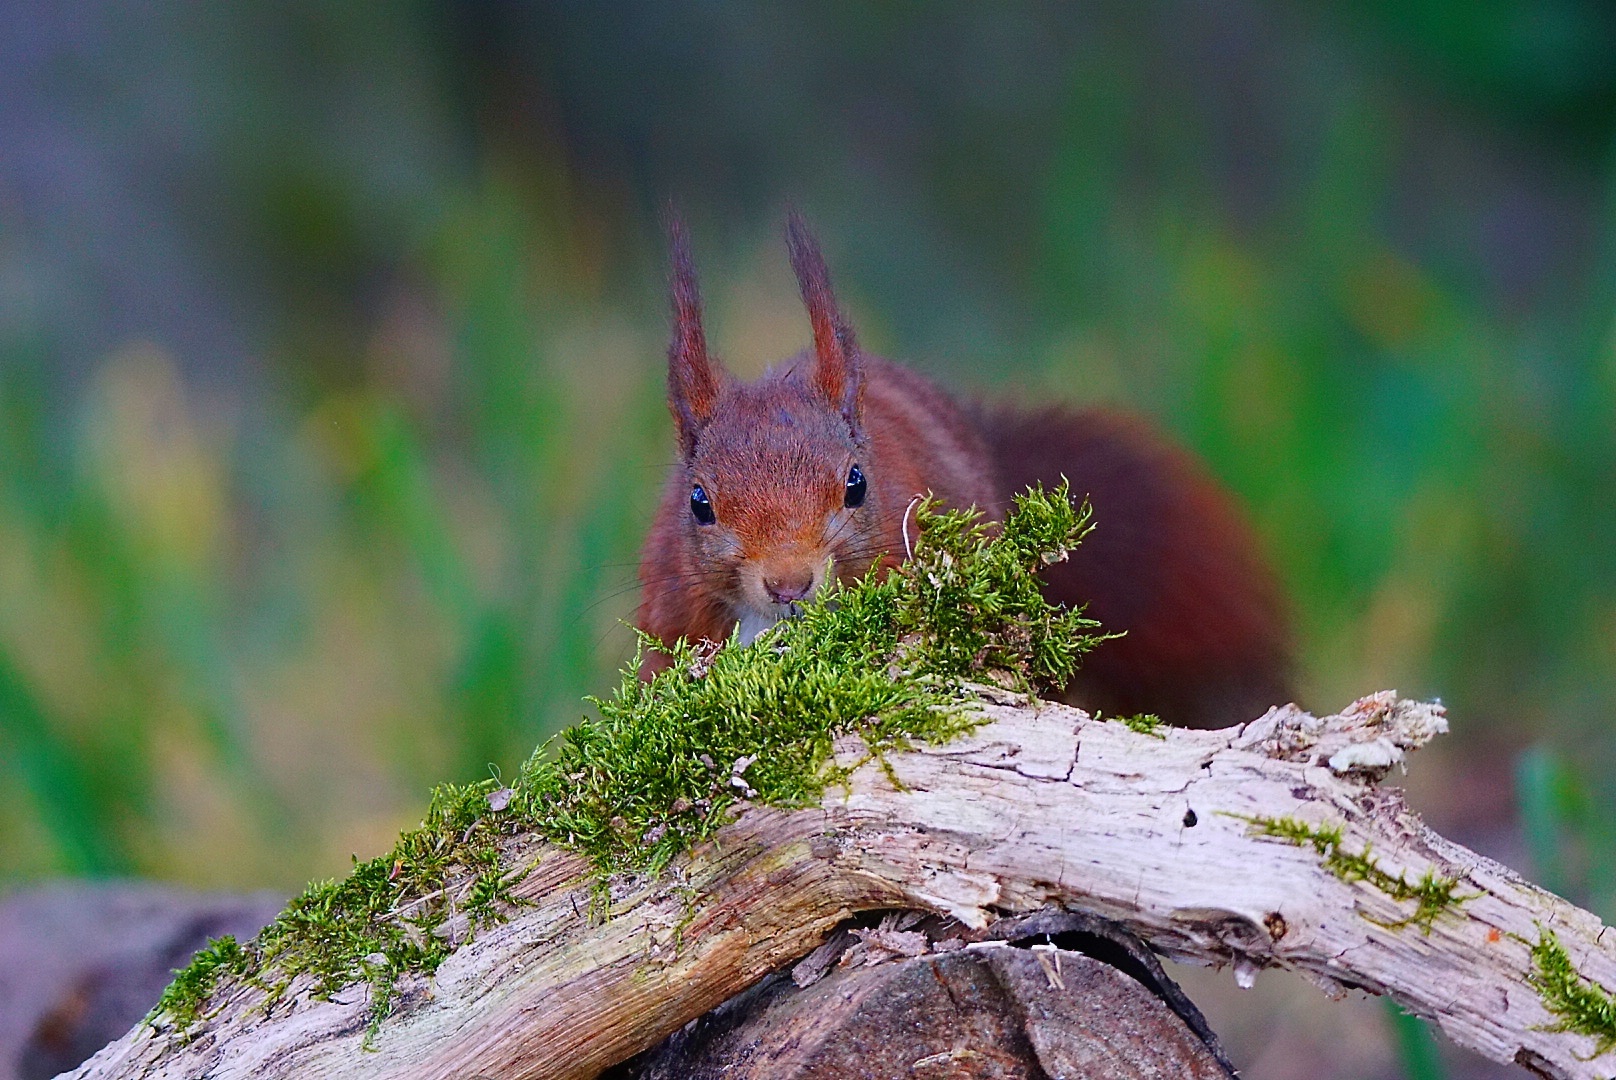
[753,623]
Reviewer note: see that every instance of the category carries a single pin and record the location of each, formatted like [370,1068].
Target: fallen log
[1270,844]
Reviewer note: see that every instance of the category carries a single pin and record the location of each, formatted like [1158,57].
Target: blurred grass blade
[1417,1051]
[1540,780]
[78,821]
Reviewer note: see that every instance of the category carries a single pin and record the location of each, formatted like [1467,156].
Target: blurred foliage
[261,585]
[1570,833]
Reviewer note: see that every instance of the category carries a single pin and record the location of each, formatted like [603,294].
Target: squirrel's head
[776,470]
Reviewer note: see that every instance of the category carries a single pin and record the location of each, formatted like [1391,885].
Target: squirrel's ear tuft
[694,379]
[836,358]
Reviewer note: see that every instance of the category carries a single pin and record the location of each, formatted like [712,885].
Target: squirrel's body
[810,473]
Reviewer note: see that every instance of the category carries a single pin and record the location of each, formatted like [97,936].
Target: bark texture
[967,1014]
[1041,808]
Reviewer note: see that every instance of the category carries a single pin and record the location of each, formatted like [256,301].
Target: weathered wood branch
[1041,806]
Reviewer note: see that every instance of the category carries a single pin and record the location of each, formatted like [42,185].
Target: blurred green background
[331,339]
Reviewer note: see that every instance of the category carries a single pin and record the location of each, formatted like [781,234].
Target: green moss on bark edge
[663,765]
[1432,893]
[1579,1005]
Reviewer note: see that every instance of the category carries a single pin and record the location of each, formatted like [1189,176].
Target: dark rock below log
[999,1013]
[81,963]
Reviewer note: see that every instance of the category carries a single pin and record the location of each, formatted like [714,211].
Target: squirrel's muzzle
[790,587]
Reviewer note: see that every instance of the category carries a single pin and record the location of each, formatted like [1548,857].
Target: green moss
[1431,894]
[1581,1006]
[1144,724]
[664,764]
[193,985]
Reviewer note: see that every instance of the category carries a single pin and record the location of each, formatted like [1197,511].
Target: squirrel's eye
[856,486]
[702,506]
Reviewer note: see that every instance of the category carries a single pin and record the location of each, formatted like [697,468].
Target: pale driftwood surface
[1041,806]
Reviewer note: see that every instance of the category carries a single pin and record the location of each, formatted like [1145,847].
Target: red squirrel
[807,475]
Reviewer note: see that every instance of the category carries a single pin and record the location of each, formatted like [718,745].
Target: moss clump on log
[664,764]
[1144,724]
[1580,1006]
[185,996]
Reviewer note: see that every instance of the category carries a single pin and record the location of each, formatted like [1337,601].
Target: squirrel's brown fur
[1170,561]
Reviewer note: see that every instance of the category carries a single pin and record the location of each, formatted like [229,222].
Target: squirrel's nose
[789,588]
